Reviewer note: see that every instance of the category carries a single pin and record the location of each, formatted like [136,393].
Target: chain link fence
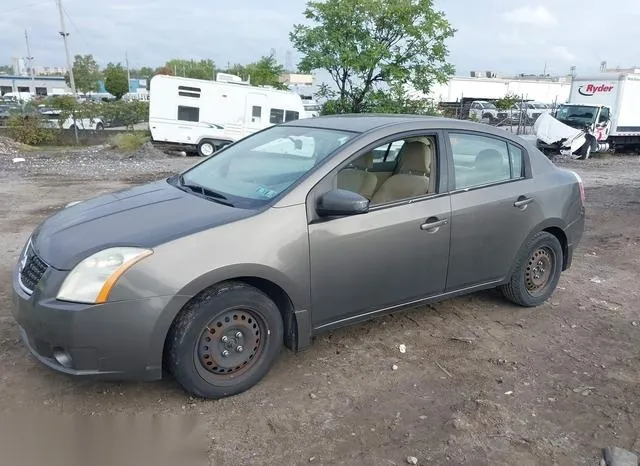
[519,117]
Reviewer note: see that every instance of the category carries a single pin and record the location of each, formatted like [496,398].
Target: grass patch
[129,142]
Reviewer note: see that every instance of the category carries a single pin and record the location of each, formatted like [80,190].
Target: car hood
[143,216]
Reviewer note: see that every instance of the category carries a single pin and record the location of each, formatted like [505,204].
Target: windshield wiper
[206,192]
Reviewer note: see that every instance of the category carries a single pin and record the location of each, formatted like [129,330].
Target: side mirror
[341,202]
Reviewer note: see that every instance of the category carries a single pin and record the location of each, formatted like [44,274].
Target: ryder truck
[602,113]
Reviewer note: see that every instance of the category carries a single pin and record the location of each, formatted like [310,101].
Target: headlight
[92,279]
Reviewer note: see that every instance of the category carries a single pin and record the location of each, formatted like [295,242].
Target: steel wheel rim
[230,344]
[539,271]
[207,149]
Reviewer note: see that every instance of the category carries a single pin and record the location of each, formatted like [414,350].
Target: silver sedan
[298,229]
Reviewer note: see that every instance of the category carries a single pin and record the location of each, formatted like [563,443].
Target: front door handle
[522,202]
[433,224]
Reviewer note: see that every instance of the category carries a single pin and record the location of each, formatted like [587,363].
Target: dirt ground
[481,382]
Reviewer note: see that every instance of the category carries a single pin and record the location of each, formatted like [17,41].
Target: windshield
[254,170]
[489,105]
[576,114]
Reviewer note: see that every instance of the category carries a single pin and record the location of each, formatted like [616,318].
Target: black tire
[206,148]
[524,288]
[99,127]
[195,343]
[488,116]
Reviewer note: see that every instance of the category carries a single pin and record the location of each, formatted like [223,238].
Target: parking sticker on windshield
[265,192]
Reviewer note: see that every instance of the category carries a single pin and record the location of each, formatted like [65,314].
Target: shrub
[129,142]
[28,129]
[123,113]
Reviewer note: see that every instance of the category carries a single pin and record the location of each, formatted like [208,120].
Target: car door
[395,253]
[493,207]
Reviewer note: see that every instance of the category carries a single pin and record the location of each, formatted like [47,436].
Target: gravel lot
[481,381]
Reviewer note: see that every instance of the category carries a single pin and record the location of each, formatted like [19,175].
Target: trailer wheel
[206,148]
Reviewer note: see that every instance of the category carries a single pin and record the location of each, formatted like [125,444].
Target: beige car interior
[411,178]
[356,177]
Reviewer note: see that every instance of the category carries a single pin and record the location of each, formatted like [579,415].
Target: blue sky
[506,36]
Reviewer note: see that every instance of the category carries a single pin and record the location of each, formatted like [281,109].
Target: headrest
[414,158]
[364,162]
[489,159]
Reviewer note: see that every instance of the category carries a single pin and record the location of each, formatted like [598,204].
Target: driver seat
[412,178]
[356,177]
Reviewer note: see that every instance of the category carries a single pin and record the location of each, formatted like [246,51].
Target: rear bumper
[574,232]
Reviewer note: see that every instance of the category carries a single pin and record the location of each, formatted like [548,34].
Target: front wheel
[537,273]
[224,341]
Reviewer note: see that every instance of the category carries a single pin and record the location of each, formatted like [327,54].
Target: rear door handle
[522,201]
[432,224]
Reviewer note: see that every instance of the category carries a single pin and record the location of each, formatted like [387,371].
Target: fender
[215,139]
[547,223]
[299,302]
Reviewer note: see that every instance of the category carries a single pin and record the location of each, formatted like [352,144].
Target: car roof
[369,122]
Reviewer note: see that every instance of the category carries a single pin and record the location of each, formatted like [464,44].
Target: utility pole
[29,57]
[126,60]
[72,81]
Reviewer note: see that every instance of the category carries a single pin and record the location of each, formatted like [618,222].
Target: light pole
[72,81]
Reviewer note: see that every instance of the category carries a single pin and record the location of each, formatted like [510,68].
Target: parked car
[51,119]
[531,110]
[483,110]
[207,273]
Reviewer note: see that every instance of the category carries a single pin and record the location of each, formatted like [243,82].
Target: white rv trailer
[199,115]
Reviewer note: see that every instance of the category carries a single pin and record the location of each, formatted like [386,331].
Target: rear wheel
[206,148]
[224,341]
[537,273]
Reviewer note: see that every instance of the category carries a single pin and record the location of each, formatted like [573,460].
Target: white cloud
[534,16]
[512,38]
[561,52]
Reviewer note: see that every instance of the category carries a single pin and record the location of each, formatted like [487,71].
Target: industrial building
[488,86]
[40,86]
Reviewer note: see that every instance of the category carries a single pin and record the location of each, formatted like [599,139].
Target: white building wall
[496,88]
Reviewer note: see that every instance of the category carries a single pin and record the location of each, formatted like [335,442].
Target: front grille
[32,270]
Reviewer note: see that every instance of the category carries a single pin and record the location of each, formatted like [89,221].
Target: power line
[84,39]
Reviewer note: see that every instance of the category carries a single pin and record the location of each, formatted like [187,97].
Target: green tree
[163,70]
[115,80]
[6,69]
[201,69]
[86,73]
[506,102]
[264,72]
[365,44]
[143,73]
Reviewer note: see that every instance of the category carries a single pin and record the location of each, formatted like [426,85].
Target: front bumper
[119,340]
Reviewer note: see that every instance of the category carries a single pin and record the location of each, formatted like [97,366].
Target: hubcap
[230,343]
[207,149]
[539,270]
